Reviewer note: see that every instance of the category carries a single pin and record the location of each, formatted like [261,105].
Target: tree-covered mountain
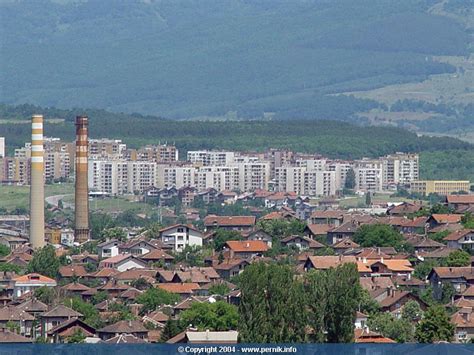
[190,58]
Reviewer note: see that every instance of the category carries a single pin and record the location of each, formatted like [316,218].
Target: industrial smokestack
[81,232]
[37,183]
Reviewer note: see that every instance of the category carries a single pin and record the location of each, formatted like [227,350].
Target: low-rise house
[461,203]
[332,218]
[181,235]
[389,267]
[364,335]
[459,277]
[460,239]
[108,249]
[207,337]
[30,282]
[423,244]
[125,338]
[245,249]
[301,243]
[157,256]
[34,307]
[344,231]
[113,288]
[9,337]
[415,226]
[325,262]
[72,271]
[259,234]
[231,267]
[393,301]
[67,237]
[436,220]
[56,316]
[61,332]
[463,321]
[361,320]
[404,209]
[20,318]
[136,247]
[238,223]
[317,230]
[344,245]
[132,327]
[184,290]
[123,262]
[74,288]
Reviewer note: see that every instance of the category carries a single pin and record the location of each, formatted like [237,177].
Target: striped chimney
[81,232]
[37,183]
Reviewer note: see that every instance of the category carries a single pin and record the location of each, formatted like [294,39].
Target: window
[180,230]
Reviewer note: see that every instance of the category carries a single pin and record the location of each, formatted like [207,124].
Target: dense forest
[441,157]
[189,58]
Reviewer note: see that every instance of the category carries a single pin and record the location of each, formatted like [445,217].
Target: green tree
[342,301]
[140,284]
[367,304]
[46,294]
[272,305]
[152,298]
[423,269]
[193,255]
[468,220]
[222,236]
[45,262]
[4,267]
[90,313]
[279,228]
[379,235]
[171,329]
[4,250]
[412,312]
[368,199]
[458,258]
[350,182]
[400,330]
[215,316]
[114,233]
[435,326]
[219,289]
[439,236]
[76,338]
[100,296]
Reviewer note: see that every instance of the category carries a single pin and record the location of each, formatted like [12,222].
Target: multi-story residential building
[106,148]
[2,147]
[319,183]
[15,170]
[161,153]
[340,169]
[278,158]
[369,175]
[117,177]
[400,169]
[440,187]
[254,176]
[211,158]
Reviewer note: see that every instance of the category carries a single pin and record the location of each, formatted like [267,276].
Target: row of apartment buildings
[273,170]
[59,158]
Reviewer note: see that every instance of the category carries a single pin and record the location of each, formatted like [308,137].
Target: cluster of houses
[386,273]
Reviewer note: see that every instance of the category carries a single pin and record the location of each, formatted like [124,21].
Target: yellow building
[440,187]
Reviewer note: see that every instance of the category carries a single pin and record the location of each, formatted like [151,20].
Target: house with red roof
[30,282]
[245,249]
[123,262]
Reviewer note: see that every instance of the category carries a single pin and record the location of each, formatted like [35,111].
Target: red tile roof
[461,199]
[253,246]
[447,218]
[456,235]
[226,221]
[186,287]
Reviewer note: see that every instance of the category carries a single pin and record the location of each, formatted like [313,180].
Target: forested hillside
[244,58]
[441,157]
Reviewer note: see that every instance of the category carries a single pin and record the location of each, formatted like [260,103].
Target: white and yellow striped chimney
[37,183]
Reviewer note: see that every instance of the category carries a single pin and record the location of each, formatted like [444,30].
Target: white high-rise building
[2,147]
